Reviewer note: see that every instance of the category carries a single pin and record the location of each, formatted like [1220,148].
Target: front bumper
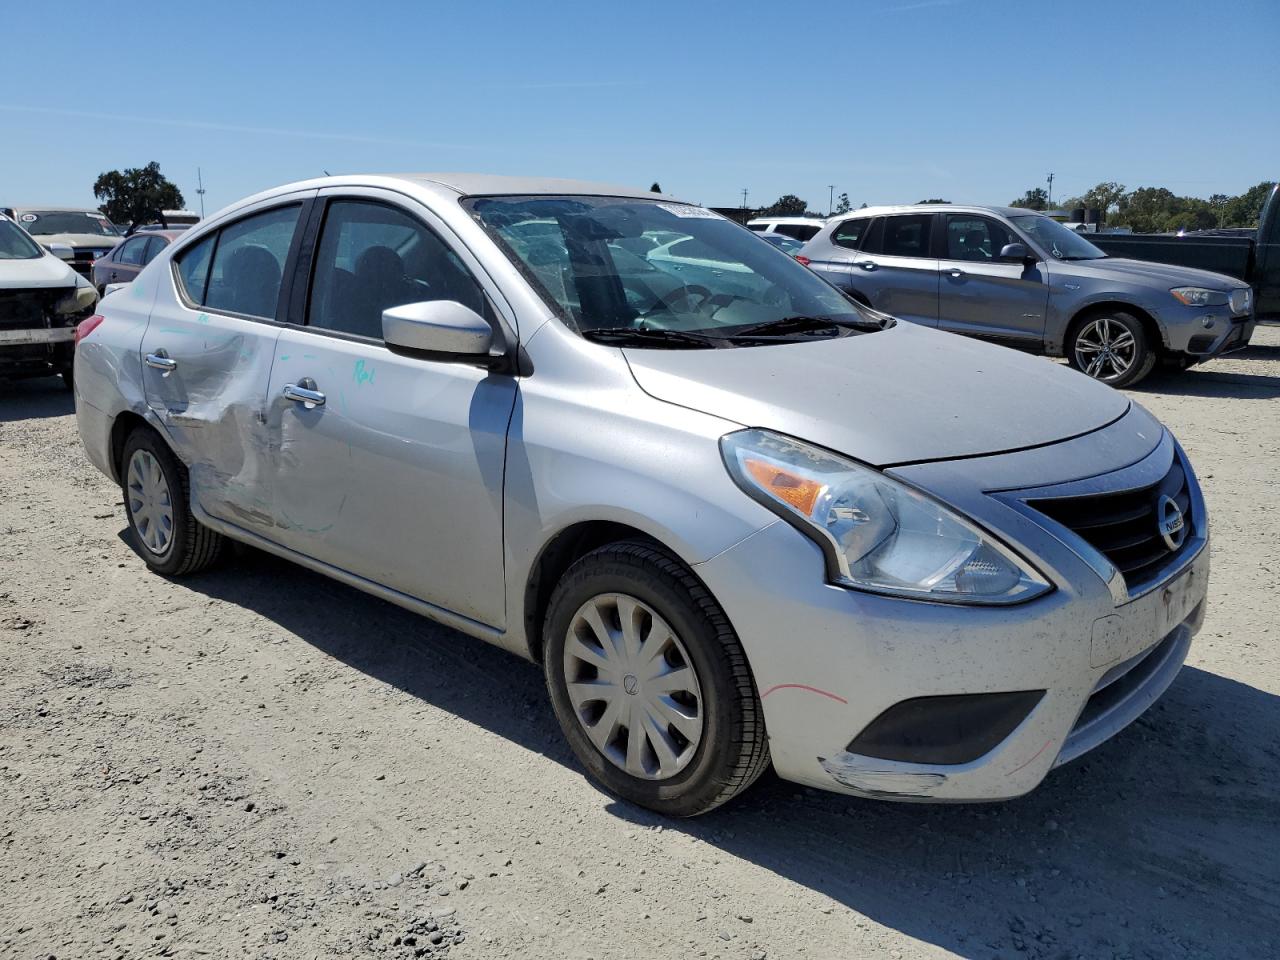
[830,661]
[1202,333]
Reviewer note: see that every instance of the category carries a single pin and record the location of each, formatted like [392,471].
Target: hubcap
[150,505]
[1105,349]
[633,687]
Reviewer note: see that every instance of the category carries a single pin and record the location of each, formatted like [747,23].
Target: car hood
[95,240]
[1163,275]
[47,271]
[897,396]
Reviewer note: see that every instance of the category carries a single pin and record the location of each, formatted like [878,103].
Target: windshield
[41,223]
[641,270]
[15,244]
[1063,243]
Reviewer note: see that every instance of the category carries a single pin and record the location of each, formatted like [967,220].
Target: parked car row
[739,518]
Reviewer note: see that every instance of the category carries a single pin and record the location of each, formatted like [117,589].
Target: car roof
[54,208]
[933,207]
[816,220]
[476,184]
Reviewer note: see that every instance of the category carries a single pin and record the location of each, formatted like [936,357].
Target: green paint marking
[202,318]
[363,375]
[284,357]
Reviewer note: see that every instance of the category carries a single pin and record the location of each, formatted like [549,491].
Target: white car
[87,232]
[801,228]
[41,301]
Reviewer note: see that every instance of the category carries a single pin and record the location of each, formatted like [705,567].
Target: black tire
[1141,357]
[734,750]
[68,379]
[191,547]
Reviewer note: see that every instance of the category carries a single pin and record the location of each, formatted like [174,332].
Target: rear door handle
[161,361]
[305,393]
[956,272]
[867,264]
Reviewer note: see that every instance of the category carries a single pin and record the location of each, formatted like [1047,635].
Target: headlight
[80,300]
[1200,296]
[878,534]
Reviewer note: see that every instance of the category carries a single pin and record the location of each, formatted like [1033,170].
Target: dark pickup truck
[1253,258]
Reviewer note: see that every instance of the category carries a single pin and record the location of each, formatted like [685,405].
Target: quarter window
[193,268]
[849,233]
[975,239]
[907,236]
[373,257]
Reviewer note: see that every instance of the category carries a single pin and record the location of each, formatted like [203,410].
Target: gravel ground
[258,762]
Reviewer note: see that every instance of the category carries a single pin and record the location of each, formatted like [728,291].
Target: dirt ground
[258,762]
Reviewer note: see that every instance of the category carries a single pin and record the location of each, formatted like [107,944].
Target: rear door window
[154,246]
[907,236]
[974,239]
[133,251]
[248,263]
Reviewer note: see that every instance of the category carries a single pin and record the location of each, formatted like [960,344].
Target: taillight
[802,260]
[86,327]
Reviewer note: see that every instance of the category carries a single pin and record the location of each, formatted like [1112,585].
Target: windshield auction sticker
[29,218]
[689,212]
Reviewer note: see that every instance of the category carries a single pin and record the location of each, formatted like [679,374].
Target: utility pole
[1051,191]
[831,197]
[744,205]
[200,191]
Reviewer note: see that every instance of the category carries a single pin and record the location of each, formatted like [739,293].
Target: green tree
[656,188]
[1106,197]
[1244,210]
[1035,199]
[935,200]
[788,205]
[1147,209]
[842,204]
[137,195]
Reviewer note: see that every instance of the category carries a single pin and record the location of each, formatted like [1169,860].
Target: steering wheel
[686,293]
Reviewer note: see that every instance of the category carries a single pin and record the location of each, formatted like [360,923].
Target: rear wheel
[650,683]
[1111,346]
[68,379]
[157,501]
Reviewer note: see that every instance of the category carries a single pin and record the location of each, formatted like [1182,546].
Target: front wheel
[1111,347]
[650,683]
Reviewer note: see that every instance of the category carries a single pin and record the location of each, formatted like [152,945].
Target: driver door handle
[956,272]
[305,393]
[161,361]
[867,264]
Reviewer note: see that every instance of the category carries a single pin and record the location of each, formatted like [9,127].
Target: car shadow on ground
[1161,842]
[34,399]
[1205,382]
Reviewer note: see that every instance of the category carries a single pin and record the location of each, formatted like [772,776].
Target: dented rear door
[207,355]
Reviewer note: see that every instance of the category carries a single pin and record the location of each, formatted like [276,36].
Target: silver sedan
[737,517]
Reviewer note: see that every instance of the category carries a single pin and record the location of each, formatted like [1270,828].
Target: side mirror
[62,251]
[437,326]
[1015,251]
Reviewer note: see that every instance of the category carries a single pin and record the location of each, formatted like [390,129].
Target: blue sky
[890,100]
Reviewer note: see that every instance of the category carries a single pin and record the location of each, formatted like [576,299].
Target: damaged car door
[207,355]
[390,465]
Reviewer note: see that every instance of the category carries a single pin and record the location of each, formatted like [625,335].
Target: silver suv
[736,516]
[1021,279]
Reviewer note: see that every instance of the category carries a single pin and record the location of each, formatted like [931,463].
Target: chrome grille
[1124,525]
